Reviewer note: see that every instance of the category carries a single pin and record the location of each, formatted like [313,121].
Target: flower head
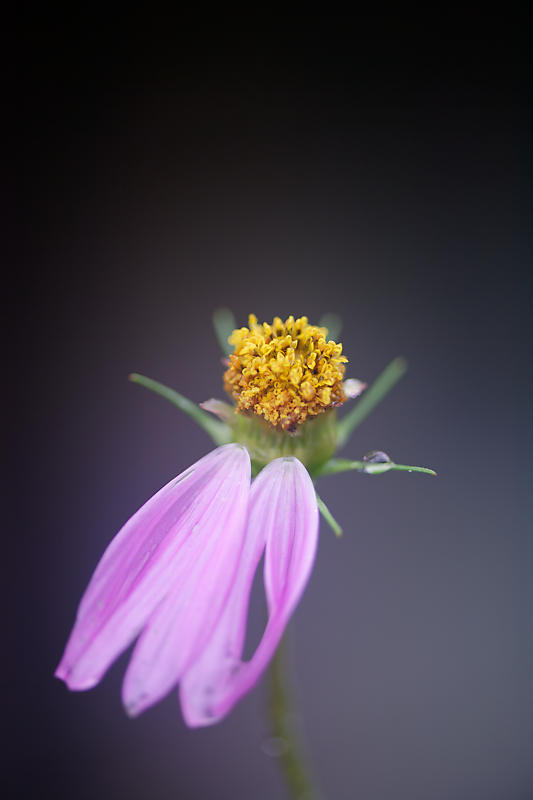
[285,372]
[177,577]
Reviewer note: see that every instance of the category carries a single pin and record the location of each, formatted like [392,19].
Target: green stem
[295,769]
[370,399]
[218,431]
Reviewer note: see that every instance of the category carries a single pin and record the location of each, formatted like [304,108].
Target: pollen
[286,372]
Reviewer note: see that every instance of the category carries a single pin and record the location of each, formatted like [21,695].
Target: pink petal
[143,562]
[181,625]
[284,515]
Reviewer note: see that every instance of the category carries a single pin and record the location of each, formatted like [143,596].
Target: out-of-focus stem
[295,769]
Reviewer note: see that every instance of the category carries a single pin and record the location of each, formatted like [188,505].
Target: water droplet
[378,457]
[377,462]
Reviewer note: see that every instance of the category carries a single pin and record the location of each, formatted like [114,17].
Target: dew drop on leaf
[377,462]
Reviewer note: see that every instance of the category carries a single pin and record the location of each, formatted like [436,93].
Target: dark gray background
[157,183]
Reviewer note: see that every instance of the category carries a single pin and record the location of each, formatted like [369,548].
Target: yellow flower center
[285,372]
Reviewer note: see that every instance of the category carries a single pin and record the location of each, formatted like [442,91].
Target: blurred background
[160,180]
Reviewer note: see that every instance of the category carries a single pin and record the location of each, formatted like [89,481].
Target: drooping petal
[144,560]
[181,625]
[284,516]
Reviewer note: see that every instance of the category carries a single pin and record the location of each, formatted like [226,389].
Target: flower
[177,577]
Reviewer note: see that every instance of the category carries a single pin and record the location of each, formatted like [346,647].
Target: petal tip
[134,699]
[75,684]
[135,705]
[132,710]
[194,717]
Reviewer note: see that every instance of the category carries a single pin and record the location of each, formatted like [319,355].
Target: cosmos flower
[177,577]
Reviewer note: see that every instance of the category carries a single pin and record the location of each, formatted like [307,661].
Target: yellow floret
[285,372]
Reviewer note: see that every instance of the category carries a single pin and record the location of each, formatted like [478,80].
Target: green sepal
[219,432]
[314,443]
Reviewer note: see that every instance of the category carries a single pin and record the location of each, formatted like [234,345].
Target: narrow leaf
[371,398]
[224,325]
[336,465]
[328,516]
[218,431]
[333,322]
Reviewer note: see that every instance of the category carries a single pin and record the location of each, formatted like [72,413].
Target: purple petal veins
[170,569]
[283,517]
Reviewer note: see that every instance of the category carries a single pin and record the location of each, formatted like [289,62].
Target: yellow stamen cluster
[286,372]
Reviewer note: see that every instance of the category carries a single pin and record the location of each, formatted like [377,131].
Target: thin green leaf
[218,431]
[336,465]
[224,325]
[328,516]
[371,398]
